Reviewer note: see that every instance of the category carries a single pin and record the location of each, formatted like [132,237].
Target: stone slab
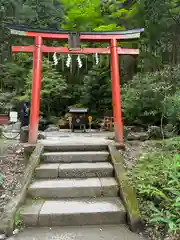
[30,212]
[101,232]
[109,186]
[127,190]
[85,170]
[67,157]
[50,170]
[69,188]
[75,144]
[82,212]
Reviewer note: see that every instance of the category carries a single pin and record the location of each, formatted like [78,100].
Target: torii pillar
[116,95]
[36,89]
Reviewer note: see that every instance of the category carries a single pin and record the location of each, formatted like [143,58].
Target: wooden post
[36,87]
[116,99]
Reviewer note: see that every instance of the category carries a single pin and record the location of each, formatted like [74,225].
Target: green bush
[157,180]
[172,106]
[152,97]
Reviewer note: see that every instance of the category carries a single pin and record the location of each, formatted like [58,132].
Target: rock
[134,129]
[43,123]
[64,122]
[3,196]
[41,136]
[169,131]
[2,236]
[137,136]
[52,128]
[24,134]
[154,132]
[20,150]
[16,231]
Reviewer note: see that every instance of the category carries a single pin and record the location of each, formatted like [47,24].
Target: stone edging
[7,218]
[127,191]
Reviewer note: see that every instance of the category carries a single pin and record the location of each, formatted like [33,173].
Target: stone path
[77,134]
[111,232]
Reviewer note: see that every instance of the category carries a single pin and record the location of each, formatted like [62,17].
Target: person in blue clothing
[25,114]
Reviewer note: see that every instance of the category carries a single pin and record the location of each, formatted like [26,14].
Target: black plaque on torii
[74,41]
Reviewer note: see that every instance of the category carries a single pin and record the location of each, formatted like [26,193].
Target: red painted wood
[116,99]
[36,86]
[49,49]
[22,48]
[88,50]
[84,37]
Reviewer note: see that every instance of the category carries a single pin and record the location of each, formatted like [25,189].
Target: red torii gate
[39,48]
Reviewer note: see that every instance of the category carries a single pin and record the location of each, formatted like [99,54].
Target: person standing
[25,114]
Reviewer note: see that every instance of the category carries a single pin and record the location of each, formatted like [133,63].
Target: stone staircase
[73,188]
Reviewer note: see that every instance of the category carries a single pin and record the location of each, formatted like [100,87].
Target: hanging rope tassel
[68,62]
[55,60]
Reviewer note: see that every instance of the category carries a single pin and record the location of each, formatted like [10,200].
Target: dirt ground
[133,150]
[12,167]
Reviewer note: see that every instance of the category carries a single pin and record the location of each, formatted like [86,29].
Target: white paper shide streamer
[55,59]
[96,59]
[68,62]
[79,62]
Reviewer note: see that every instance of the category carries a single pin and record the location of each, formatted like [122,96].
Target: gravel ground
[133,151]
[12,167]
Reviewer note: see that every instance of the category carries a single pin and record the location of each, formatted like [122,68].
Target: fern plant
[157,178]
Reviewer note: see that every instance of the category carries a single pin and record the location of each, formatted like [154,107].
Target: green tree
[97,91]
[42,13]
[97,15]
[54,93]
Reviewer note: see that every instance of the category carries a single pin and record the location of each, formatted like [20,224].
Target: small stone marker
[13,117]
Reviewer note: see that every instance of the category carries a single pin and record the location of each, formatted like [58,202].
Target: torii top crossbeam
[112,37]
[84,36]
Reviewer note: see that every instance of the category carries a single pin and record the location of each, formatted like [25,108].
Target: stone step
[74,170]
[88,232]
[73,212]
[75,144]
[71,188]
[65,157]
